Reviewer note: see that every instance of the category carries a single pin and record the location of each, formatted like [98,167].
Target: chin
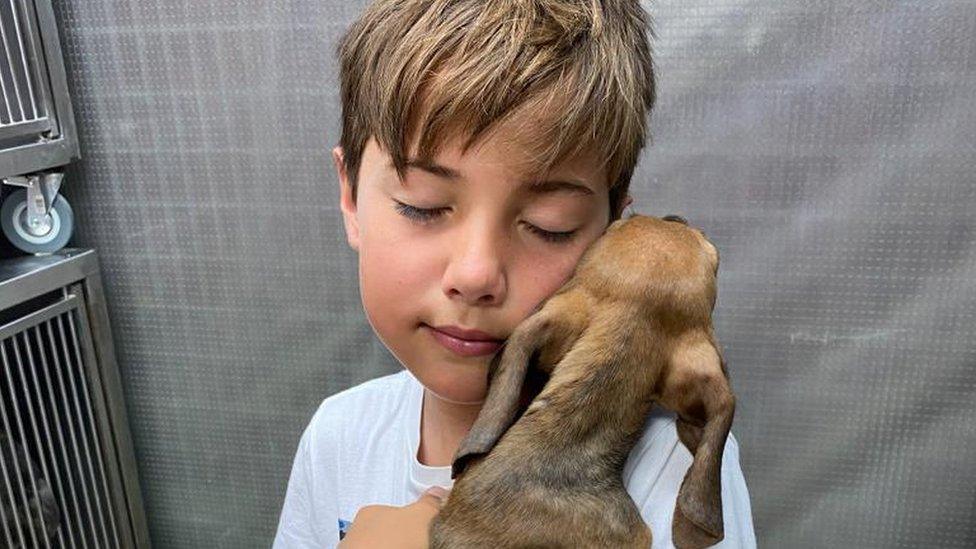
[459,385]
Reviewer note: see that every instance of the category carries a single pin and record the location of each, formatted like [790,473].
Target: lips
[464,342]
[461,333]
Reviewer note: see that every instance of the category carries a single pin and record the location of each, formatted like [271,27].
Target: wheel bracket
[42,189]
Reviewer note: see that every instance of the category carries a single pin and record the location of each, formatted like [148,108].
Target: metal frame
[55,139]
[76,273]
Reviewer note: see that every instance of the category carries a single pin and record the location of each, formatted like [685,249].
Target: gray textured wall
[827,147]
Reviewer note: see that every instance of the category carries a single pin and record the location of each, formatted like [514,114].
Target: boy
[485,144]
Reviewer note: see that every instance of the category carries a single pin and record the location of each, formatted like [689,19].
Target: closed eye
[550,236]
[419,214]
[424,215]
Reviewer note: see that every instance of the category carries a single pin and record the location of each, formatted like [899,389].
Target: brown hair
[580,70]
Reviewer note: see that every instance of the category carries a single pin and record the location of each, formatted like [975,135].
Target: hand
[389,526]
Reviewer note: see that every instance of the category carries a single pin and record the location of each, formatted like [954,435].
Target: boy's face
[474,260]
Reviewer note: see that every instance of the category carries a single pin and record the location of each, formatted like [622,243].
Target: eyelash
[424,215]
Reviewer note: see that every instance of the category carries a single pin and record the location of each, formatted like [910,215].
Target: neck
[442,426]
[608,416]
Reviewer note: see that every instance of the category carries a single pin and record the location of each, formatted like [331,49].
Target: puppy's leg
[690,432]
[699,393]
[555,326]
[572,312]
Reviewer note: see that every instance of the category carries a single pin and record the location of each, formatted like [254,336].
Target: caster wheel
[13,219]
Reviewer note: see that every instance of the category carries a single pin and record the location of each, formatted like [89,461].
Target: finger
[437,492]
[434,496]
[367,511]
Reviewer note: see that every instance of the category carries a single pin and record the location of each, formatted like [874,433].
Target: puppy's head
[662,265]
[663,261]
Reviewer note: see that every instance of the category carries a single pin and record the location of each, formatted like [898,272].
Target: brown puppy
[632,327]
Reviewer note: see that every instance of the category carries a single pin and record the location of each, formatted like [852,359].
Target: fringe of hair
[570,76]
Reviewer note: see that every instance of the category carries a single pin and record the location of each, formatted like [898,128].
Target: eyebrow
[535,187]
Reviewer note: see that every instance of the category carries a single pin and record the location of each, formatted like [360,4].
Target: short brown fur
[631,328]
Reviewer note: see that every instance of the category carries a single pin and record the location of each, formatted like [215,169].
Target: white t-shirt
[360,448]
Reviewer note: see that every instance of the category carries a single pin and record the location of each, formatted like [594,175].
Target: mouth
[466,343]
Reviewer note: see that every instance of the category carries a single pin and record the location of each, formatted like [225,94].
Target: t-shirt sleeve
[655,477]
[294,528]
[308,516]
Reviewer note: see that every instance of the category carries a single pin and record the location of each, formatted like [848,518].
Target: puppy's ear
[705,419]
[506,376]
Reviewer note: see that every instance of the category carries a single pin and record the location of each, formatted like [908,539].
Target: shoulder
[356,408]
[328,467]
[659,448]
[656,468]
[650,455]
[386,390]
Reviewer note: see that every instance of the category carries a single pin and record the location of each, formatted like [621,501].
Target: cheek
[542,279]
[394,277]
[391,263]
[544,276]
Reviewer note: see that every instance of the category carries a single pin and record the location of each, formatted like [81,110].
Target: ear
[619,208]
[346,201]
[506,375]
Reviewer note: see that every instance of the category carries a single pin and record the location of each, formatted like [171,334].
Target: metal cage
[37,128]
[67,468]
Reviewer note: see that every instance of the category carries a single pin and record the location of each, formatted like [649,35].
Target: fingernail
[437,492]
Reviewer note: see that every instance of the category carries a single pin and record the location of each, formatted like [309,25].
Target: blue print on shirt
[343,527]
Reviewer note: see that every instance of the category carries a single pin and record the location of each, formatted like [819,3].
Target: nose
[475,273]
